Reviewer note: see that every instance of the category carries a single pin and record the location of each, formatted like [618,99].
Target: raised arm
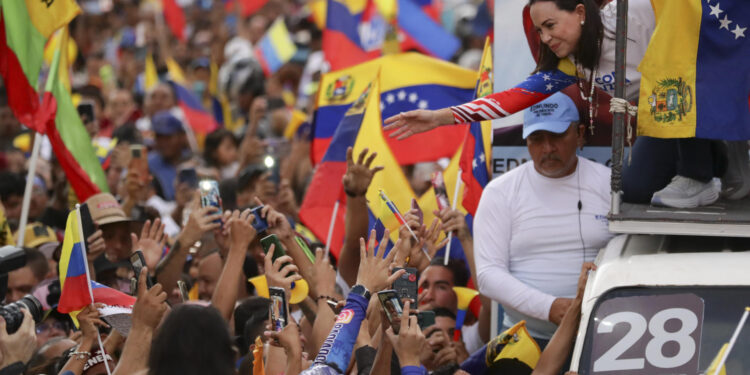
[241,233]
[356,181]
[534,89]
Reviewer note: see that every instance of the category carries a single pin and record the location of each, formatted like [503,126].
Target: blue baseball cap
[553,114]
[164,123]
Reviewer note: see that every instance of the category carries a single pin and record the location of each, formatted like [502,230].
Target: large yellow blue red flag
[695,76]
[407,81]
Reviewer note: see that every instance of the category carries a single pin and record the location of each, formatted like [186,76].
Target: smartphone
[188,176]
[210,195]
[86,111]
[87,223]
[139,162]
[138,262]
[260,224]
[279,309]
[441,193]
[392,307]
[183,291]
[278,250]
[406,285]
[425,319]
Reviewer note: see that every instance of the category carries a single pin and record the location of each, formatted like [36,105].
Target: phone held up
[406,285]
[392,307]
[209,190]
[138,262]
[279,308]
[139,162]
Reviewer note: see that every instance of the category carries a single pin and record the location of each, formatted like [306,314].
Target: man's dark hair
[193,340]
[457,267]
[589,44]
[128,133]
[11,184]
[38,264]
[248,321]
[443,312]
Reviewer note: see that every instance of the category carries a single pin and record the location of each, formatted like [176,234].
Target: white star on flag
[401,95]
[739,32]
[715,10]
[422,104]
[413,97]
[725,23]
[390,98]
[481,158]
[474,164]
[549,87]
[546,77]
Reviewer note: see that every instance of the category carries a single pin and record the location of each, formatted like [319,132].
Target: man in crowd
[170,146]
[23,280]
[538,223]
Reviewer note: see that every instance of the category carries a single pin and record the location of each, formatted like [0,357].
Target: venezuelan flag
[275,48]
[477,149]
[196,115]
[25,26]
[70,141]
[407,81]
[150,75]
[175,18]
[74,279]
[423,33]
[341,43]
[317,208]
[695,76]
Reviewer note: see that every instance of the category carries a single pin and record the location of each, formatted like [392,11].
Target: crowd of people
[199,307]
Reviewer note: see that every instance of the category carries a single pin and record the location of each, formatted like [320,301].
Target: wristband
[328,298]
[81,355]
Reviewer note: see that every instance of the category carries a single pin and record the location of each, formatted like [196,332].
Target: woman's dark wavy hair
[589,45]
[212,143]
[193,340]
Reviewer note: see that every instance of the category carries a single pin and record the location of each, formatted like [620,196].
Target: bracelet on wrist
[81,355]
[327,298]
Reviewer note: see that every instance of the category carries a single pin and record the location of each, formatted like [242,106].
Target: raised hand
[88,319]
[417,121]
[280,272]
[149,306]
[453,221]
[285,199]
[200,221]
[409,341]
[151,242]
[241,230]
[374,269]
[359,175]
[95,245]
[277,222]
[323,275]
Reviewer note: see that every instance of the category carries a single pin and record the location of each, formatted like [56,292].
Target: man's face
[50,328]
[445,324]
[169,146]
[436,289]
[120,106]
[161,99]
[20,283]
[554,155]
[208,275]
[13,210]
[117,241]
[38,202]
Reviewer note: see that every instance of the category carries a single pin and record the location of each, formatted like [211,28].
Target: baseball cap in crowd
[164,123]
[105,209]
[553,114]
[41,237]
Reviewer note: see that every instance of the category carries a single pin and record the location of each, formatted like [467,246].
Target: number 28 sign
[654,334]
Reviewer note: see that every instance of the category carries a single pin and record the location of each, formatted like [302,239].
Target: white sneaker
[685,192]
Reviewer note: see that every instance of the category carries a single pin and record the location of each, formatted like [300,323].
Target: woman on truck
[578,46]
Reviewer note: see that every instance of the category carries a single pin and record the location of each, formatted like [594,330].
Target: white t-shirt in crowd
[529,246]
[641,24]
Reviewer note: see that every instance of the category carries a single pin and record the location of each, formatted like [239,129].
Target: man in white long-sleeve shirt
[538,223]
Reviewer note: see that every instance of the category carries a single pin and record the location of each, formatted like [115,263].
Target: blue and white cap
[553,114]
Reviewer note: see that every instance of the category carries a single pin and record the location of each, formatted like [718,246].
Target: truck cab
[665,304]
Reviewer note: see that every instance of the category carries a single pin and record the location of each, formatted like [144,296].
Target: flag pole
[396,212]
[84,251]
[27,190]
[330,227]
[453,206]
[732,341]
